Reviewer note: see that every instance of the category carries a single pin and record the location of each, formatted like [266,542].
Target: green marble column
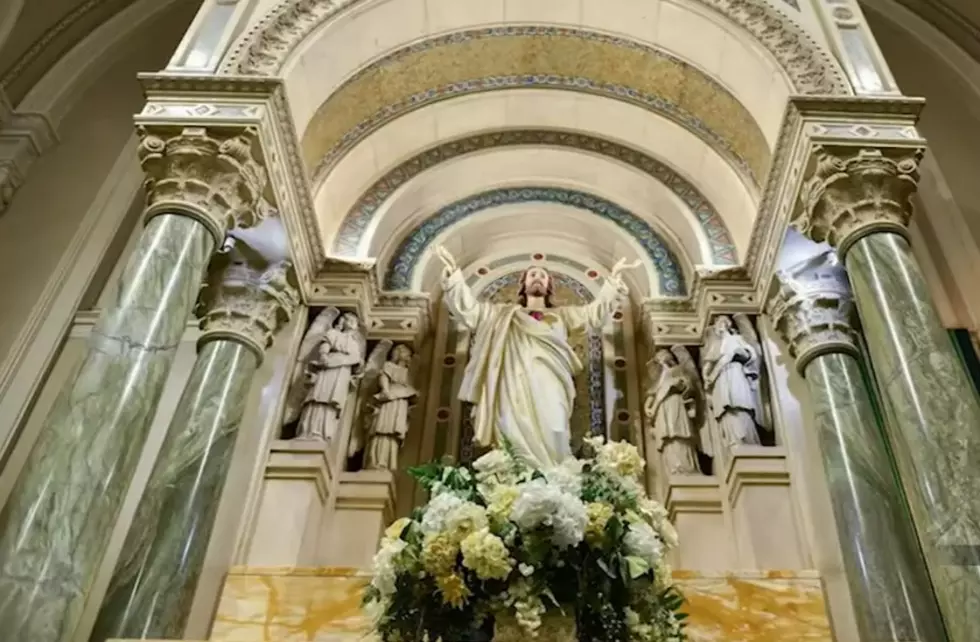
[859,200]
[933,416]
[152,588]
[893,600]
[153,585]
[56,525]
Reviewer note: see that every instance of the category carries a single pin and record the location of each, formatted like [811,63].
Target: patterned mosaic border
[750,155]
[399,273]
[359,218]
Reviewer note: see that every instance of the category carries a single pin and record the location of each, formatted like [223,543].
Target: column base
[363,508]
[696,508]
[764,514]
[295,491]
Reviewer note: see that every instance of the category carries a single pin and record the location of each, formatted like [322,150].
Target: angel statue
[520,375]
[390,395]
[329,362]
[672,406]
[731,370]
[754,368]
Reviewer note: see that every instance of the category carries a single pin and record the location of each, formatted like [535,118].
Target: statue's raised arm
[462,305]
[595,315]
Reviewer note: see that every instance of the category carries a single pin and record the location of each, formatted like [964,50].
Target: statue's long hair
[522,291]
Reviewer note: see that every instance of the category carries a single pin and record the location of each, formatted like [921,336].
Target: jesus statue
[521,368]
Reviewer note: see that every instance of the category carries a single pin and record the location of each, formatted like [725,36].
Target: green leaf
[605,568]
[637,566]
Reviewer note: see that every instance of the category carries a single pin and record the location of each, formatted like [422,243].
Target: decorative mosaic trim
[430,95]
[359,217]
[265,47]
[406,257]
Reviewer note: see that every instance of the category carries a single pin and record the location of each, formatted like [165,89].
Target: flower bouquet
[575,552]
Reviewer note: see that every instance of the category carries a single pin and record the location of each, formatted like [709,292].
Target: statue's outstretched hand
[448,260]
[622,265]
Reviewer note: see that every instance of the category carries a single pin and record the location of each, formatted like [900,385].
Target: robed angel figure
[674,407]
[329,363]
[520,374]
[386,399]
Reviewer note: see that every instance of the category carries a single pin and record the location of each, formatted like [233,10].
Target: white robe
[520,371]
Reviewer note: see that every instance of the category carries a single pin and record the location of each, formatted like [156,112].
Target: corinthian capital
[211,175]
[811,308]
[252,288]
[856,191]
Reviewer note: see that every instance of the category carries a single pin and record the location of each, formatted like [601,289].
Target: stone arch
[401,264]
[265,48]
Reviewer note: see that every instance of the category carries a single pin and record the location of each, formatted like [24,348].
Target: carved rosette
[812,309]
[854,191]
[246,304]
[213,176]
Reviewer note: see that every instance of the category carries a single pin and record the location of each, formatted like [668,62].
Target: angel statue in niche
[329,363]
[731,373]
[387,398]
[673,406]
[520,375]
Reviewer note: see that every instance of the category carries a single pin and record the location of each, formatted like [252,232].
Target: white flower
[526,569]
[492,463]
[642,541]
[384,566]
[448,513]
[541,504]
[567,476]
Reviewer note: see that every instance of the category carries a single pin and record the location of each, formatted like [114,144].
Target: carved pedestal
[696,508]
[363,507]
[764,515]
[295,491]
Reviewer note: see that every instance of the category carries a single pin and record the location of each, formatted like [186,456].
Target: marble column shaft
[56,525]
[152,588]
[933,418]
[153,585]
[890,588]
[57,522]
[859,200]
[812,308]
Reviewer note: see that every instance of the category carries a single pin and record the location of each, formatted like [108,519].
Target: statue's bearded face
[536,281]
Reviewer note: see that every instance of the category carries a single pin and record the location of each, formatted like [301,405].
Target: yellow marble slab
[323,605]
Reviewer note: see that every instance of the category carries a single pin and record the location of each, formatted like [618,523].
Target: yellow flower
[622,458]
[501,501]
[397,528]
[599,514]
[486,555]
[439,554]
[454,590]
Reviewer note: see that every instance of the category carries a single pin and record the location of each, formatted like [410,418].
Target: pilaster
[757,488]
[363,508]
[696,506]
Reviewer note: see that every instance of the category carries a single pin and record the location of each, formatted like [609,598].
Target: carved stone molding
[264,48]
[812,309]
[247,304]
[23,139]
[214,176]
[853,192]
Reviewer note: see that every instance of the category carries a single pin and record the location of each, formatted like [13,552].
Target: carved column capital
[812,309]
[252,288]
[212,175]
[855,191]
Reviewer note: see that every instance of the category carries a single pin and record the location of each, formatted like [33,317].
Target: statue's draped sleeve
[462,305]
[594,315]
